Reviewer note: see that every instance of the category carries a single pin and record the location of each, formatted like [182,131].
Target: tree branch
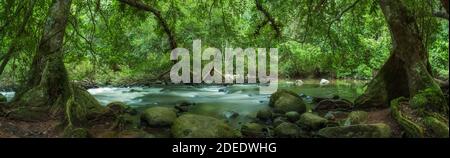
[142,6]
[269,18]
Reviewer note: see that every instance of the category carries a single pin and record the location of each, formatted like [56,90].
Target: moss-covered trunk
[406,73]
[48,92]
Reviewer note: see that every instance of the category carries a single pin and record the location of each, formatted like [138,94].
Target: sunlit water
[218,101]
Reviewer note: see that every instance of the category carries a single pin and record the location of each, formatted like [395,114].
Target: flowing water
[218,101]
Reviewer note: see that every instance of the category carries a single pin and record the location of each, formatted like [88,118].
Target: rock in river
[159,116]
[284,101]
[197,126]
[264,114]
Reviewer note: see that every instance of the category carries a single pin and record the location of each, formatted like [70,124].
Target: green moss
[411,129]
[436,128]
[287,130]
[428,124]
[357,117]
[159,116]
[430,99]
[264,114]
[284,101]
[275,96]
[253,130]
[197,126]
[310,121]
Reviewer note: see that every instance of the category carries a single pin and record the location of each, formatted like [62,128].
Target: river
[218,101]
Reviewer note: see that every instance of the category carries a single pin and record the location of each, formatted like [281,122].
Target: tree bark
[48,93]
[405,73]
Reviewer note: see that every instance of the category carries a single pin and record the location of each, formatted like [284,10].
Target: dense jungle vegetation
[51,51]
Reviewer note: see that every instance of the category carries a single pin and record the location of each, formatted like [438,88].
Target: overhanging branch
[142,6]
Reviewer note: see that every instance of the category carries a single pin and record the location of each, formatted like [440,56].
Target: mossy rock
[2,98]
[71,132]
[292,116]
[430,99]
[253,130]
[357,117]
[197,126]
[264,114]
[287,130]
[310,121]
[159,116]
[279,120]
[436,128]
[379,130]
[284,101]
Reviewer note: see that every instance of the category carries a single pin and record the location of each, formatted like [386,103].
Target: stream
[219,101]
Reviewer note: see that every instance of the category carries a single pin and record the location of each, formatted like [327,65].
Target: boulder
[298,83]
[287,130]
[379,130]
[324,82]
[356,117]
[264,114]
[284,101]
[197,126]
[159,116]
[310,121]
[292,116]
[253,130]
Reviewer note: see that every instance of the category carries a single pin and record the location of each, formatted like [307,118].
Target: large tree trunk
[406,72]
[48,93]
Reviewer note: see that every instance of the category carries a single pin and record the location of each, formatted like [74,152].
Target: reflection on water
[218,101]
